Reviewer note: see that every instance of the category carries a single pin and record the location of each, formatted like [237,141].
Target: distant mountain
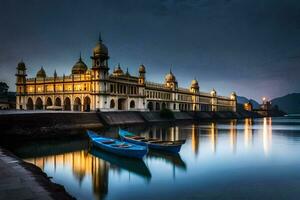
[289,103]
[242,100]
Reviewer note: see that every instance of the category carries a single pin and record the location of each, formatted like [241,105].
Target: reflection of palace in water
[82,164]
[267,134]
[212,130]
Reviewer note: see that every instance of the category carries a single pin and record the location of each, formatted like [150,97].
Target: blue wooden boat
[152,143]
[117,147]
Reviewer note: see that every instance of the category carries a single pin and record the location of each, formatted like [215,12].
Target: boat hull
[132,150]
[128,152]
[174,148]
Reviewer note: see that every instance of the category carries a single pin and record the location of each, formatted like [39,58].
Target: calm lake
[234,159]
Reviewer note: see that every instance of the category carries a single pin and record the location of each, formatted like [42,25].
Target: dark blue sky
[249,46]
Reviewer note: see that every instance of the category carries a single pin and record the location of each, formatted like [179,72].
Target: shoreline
[29,180]
[55,125]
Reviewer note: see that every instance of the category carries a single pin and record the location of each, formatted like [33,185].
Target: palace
[96,89]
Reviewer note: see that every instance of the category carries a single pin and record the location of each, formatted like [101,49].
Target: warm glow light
[233,135]
[213,136]
[248,132]
[267,135]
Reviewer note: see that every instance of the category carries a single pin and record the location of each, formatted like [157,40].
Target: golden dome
[118,70]
[79,67]
[170,77]
[195,84]
[142,69]
[41,73]
[100,48]
[21,66]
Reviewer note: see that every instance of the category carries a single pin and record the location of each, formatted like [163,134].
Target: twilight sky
[249,46]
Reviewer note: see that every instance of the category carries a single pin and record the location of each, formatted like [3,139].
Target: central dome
[170,77]
[79,67]
[41,73]
[100,48]
[195,84]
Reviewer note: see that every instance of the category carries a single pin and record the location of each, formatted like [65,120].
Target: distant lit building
[248,106]
[97,88]
[266,105]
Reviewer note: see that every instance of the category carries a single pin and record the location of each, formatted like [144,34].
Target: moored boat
[152,143]
[117,147]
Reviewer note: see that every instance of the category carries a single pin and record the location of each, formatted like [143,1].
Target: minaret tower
[100,74]
[194,88]
[21,86]
[100,60]
[142,72]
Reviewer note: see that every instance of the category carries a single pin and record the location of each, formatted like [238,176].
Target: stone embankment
[62,124]
[47,124]
[21,180]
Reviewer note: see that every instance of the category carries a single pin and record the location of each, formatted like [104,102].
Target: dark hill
[289,103]
[242,100]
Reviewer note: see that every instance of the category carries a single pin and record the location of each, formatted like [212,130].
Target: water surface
[246,159]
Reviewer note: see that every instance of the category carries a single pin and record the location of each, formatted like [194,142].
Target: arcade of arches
[40,103]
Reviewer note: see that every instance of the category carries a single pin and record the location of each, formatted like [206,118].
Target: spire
[100,40]
[80,56]
[127,72]
[55,74]
[171,69]
[119,66]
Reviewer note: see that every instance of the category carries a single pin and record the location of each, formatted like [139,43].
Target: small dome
[21,66]
[213,92]
[79,67]
[41,73]
[170,77]
[100,48]
[194,84]
[142,69]
[118,70]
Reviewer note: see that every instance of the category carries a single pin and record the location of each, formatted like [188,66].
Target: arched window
[29,105]
[87,104]
[67,103]
[57,102]
[38,104]
[132,104]
[49,102]
[77,104]
[157,106]
[150,106]
[112,103]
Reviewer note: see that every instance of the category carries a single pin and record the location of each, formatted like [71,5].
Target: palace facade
[96,89]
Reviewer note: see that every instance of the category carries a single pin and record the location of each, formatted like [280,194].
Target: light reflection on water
[221,160]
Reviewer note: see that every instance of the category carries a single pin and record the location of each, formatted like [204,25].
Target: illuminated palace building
[97,89]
